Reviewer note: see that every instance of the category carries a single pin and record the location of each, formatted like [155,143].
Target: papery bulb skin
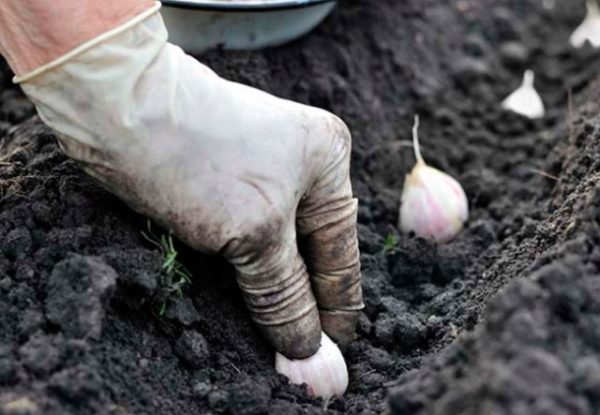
[589,29]
[434,205]
[325,373]
[525,100]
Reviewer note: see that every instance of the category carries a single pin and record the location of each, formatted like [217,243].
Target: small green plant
[389,244]
[175,275]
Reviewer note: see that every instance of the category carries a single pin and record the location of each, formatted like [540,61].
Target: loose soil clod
[526,268]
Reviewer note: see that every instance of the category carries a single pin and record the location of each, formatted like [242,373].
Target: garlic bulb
[325,373]
[589,29]
[525,100]
[434,205]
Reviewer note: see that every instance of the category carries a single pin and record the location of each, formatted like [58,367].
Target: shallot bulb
[589,29]
[525,100]
[434,205]
[325,373]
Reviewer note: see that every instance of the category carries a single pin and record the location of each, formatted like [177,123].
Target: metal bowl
[199,25]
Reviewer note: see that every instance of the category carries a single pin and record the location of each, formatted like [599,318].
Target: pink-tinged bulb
[434,205]
[325,373]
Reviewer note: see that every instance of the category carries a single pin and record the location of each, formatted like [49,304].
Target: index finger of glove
[326,222]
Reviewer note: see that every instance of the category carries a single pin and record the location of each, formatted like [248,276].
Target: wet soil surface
[503,320]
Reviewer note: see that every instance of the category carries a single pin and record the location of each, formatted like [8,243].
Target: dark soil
[503,320]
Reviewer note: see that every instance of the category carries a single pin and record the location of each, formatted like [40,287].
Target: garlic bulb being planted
[325,373]
[434,205]
[525,100]
[589,29]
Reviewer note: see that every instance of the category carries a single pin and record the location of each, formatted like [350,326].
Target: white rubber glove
[229,169]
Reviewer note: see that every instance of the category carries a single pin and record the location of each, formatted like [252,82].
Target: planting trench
[503,320]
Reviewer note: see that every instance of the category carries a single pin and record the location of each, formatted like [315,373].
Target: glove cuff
[87,45]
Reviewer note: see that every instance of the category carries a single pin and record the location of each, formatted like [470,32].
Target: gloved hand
[229,169]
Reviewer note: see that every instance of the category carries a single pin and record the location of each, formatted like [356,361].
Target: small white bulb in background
[525,100]
[589,29]
[325,373]
[434,205]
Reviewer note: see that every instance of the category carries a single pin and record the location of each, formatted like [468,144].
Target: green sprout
[389,244]
[175,275]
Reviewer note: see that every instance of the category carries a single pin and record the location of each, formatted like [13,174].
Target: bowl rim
[244,5]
